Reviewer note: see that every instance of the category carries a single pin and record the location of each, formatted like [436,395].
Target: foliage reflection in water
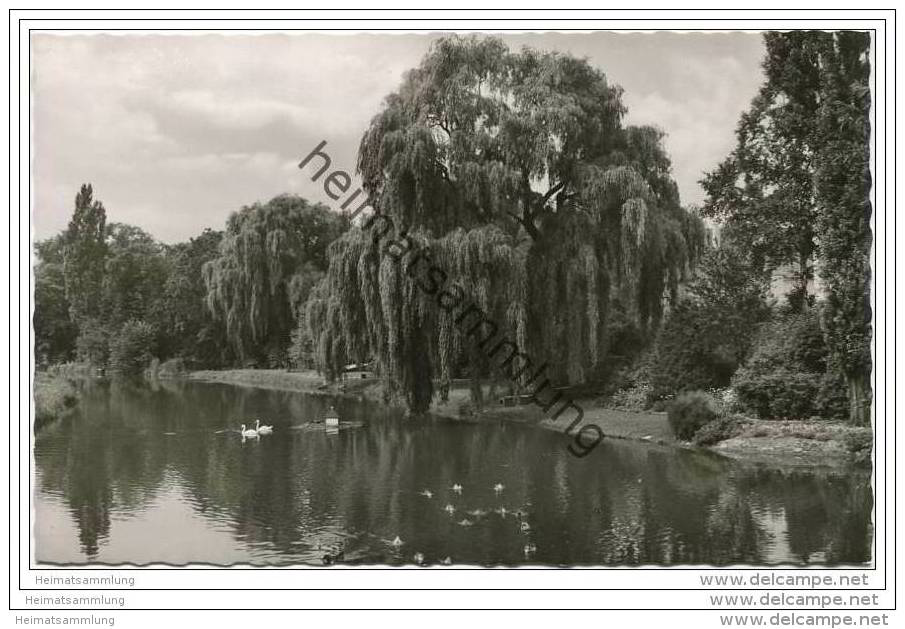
[160,474]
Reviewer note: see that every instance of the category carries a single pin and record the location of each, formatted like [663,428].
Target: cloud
[177,131]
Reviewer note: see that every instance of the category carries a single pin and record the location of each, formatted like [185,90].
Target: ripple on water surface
[161,474]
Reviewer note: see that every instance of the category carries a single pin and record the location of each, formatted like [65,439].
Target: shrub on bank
[132,349]
[689,355]
[93,343]
[708,333]
[54,397]
[788,376]
[635,398]
[832,399]
[780,394]
[860,444]
[689,413]
[722,428]
[172,368]
[792,341]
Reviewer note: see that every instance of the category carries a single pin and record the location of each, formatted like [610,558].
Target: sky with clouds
[177,131]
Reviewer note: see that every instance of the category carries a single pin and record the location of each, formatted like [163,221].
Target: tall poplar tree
[84,256]
[843,183]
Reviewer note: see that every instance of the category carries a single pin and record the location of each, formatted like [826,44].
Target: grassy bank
[614,423]
[777,443]
[644,426]
[55,396]
[800,443]
[803,442]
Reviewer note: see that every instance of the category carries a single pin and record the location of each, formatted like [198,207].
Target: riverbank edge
[788,444]
[54,396]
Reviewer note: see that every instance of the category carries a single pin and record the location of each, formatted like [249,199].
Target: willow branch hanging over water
[514,170]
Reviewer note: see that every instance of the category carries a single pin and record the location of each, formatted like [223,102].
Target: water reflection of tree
[851,530]
[827,512]
[680,491]
[99,460]
[624,504]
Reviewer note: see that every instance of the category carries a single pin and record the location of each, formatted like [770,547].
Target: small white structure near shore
[332,417]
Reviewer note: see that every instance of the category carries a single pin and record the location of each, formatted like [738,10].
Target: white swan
[499,487]
[457,488]
[248,433]
[262,430]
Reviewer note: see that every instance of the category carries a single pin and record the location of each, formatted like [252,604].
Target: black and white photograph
[453,298]
[450,298]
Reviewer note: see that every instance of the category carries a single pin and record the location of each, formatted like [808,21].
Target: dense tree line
[797,190]
[514,173]
[267,261]
[109,295]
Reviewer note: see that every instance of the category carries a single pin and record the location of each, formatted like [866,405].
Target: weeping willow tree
[514,172]
[377,301]
[264,256]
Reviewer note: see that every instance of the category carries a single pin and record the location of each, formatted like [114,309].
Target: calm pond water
[159,473]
